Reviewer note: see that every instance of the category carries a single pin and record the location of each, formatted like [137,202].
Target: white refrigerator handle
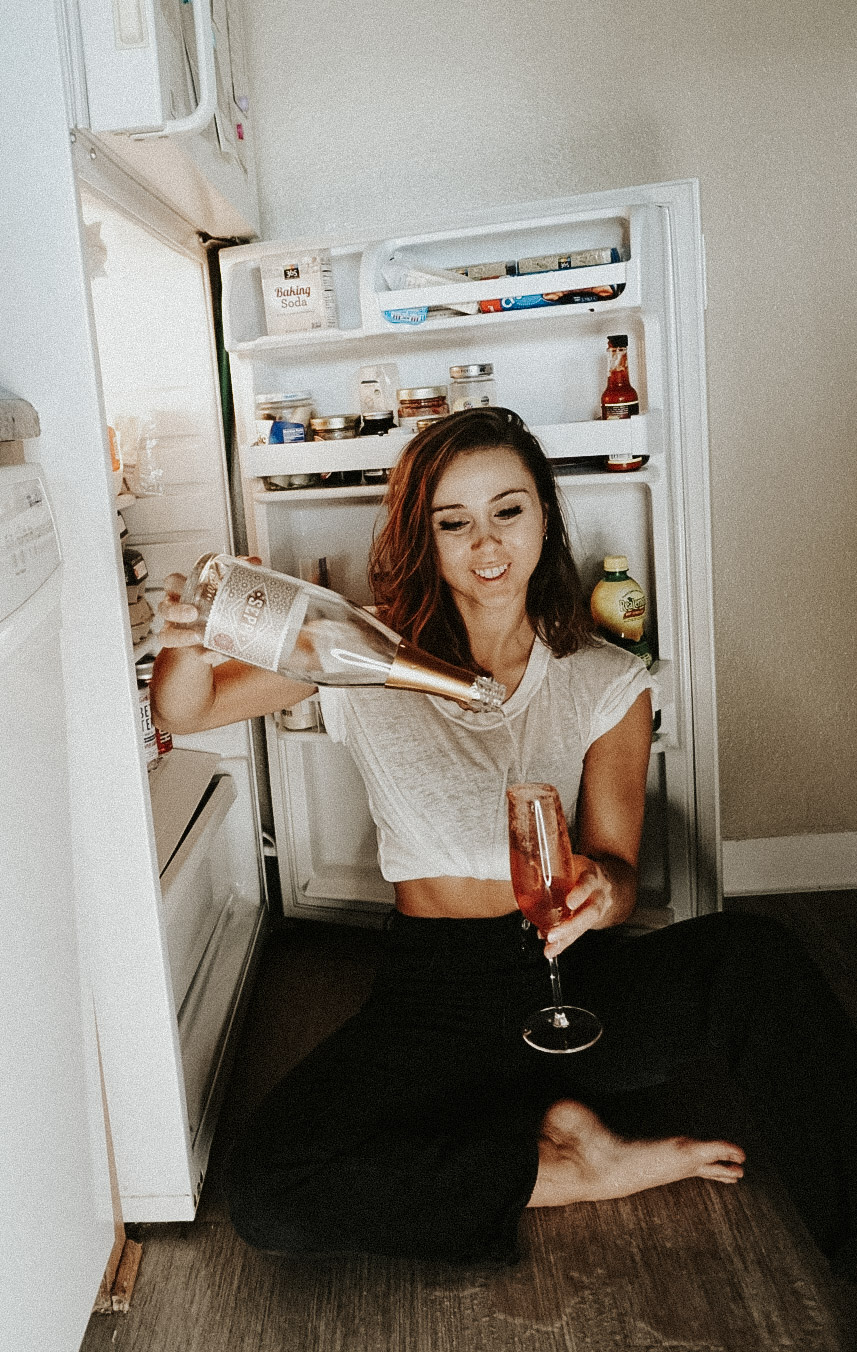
[198,120]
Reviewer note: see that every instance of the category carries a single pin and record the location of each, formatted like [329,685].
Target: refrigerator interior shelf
[333,885]
[177,786]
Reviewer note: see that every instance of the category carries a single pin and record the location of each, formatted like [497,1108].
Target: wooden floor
[694,1267]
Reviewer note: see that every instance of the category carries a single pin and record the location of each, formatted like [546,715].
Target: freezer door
[163,87]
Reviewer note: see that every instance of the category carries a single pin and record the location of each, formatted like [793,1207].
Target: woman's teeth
[490,573]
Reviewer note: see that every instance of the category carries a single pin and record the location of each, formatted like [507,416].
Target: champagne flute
[543,873]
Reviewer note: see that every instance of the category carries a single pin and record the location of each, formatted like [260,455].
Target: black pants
[413,1130]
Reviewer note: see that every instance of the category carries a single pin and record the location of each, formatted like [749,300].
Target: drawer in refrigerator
[197,883]
[208,1013]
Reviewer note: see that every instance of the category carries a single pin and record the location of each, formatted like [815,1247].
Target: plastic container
[618,606]
[282,420]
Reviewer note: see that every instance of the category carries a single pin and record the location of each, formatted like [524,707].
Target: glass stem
[560,1020]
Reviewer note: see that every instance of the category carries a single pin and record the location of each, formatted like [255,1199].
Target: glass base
[562,1028]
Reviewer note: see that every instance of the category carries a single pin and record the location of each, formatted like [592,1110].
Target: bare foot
[581,1161]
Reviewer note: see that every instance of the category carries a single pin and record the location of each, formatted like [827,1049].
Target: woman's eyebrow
[460,507]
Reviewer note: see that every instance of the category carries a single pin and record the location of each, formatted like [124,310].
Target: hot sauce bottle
[619,399]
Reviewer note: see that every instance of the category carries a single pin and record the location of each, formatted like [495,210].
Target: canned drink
[144,670]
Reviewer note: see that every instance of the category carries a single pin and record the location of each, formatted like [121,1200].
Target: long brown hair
[412,597]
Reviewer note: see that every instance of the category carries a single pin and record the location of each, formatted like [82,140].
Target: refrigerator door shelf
[196,885]
[362,296]
[561,441]
[499,240]
[210,1011]
[505,288]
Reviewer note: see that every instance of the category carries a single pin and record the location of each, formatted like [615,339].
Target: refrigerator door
[157,364]
[140,74]
[164,86]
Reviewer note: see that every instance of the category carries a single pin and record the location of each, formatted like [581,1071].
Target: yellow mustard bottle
[618,606]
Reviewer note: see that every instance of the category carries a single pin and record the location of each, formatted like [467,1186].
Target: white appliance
[105,270]
[53,1172]
[166,868]
[550,366]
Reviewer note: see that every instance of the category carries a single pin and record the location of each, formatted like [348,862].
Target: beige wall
[391,113]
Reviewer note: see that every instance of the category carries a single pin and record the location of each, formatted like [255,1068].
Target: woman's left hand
[592,902]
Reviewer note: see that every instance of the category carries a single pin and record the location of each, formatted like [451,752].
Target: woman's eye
[506,513]
[451,525]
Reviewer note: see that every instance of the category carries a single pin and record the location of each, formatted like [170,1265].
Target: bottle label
[256,617]
[621,410]
[150,742]
[620,609]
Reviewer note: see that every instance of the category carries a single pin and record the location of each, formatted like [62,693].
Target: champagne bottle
[312,634]
[618,606]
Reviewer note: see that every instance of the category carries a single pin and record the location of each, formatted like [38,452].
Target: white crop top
[436,774]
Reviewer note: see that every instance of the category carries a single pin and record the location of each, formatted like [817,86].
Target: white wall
[397,113]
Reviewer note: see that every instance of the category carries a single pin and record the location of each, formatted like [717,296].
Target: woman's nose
[487,534]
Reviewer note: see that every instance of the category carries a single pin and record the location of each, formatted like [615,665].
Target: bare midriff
[455,898]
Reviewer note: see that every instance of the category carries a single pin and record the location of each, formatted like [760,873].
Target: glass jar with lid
[472,386]
[376,423]
[421,401]
[282,420]
[337,427]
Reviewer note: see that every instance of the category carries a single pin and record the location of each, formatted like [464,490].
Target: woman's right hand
[175,623]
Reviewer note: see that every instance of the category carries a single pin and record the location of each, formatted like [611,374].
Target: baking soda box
[298,293]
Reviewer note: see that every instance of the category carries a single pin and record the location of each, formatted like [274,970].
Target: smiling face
[488,526]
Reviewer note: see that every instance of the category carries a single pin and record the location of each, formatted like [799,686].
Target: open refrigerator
[550,367]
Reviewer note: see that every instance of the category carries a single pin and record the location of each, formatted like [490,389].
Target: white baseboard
[823,863]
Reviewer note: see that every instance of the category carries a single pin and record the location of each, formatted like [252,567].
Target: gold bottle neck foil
[413,669]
